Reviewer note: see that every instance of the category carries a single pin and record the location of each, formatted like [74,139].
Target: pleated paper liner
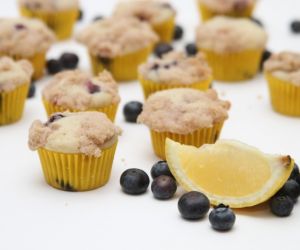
[76,172]
[61,22]
[206,13]
[123,68]
[285,96]
[165,30]
[231,67]
[197,138]
[110,110]
[38,62]
[12,104]
[150,87]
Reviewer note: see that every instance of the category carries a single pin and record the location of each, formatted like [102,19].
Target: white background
[34,216]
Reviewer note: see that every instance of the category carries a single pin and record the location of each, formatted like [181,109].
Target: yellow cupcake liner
[196,138]
[109,110]
[236,66]
[206,13]
[123,68]
[38,62]
[61,22]
[76,172]
[285,96]
[150,87]
[165,30]
[12,104]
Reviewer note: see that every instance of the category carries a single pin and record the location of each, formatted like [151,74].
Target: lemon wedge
[228,172]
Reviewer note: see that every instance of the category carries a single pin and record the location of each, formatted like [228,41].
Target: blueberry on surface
[295,26]
[54,66]
[281,206]
[160,168]
[178,32]
[134,181]
[31,91]
[265,56]
[290,188]
[163,187]
[132,110]
[222,218]
[191,49]
[162,48]
[93,88]
[295,173]
[69,60]
[80,15]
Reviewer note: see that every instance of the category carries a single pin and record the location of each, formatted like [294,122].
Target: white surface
[34,216]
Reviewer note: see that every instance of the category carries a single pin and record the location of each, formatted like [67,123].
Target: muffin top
[176,68]
[226,6]
[49,5]
[85,132]
[117,36]
[81,91]
[183,110]
[14,73]
[154,12]
[226,34]
[285,66]
[24,37]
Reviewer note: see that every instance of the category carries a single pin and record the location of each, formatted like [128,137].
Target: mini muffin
[184,115]
[233,8]
[76,150]
[160,15]
[119,45]
[15,78]
[233,47]
[59,15]
[78,91]
[26,39]
[175,70]
[282,72]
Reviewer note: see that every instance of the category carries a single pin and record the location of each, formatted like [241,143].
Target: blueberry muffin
[15,78]
[175,70]
[233,8]
[22,38]
[119,45]
[282,72]
[59,15]
[79,91]
[160,15]
[184,115]
[76,149]
[233,47]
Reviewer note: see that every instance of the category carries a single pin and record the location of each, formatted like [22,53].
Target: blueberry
[295,26]
[290,188]
[162,48]
[80,15]
[132,110]
[222,218]
[257,21]
[178,32]
[97,18]
[193,205]
[160,168]
[298,179]
[155,66]
[54,117]
[295,172]
[163,187]
[191,49]
[54,66]
[69,60]
[93,88]
[281,206]
[134,181]
[31,91]
[20,26]
[265,56]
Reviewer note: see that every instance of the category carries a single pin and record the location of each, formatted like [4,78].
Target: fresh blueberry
[132,110]
[290,188]
[191,49]
[162,48]
[193,205]
[295,26]
[178,32]
[80,15]
[69,60]
[160,168]
[134,181]
[97,18]
[163,187]
[298,179]
[222,218]
[265,56]
[31,91]
[53,118]
[295,173]
[92,88]
[281,206]
[257,21]
[54,66]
